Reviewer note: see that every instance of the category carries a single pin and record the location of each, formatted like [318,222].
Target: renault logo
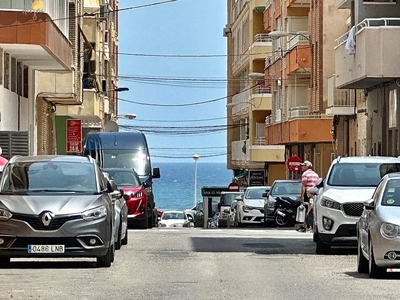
[47,217]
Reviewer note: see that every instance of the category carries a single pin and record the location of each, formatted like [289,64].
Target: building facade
[299,111]
[45,55]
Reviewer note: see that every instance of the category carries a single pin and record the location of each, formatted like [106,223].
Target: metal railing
[278,115]
[268,120]
[268,62]
[339,97]
[301,112]
[260,89]
[259,141]
[262,38]
[375,22]
[299,38]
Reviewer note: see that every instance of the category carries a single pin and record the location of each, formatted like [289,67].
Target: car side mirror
[313,191]
[190,218]
[320,183]
[265,195]
[126,196]
[369,204]
[156,173]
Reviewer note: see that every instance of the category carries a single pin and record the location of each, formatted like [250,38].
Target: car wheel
[321,247]
[150,221]
[118,241]
[143,223]
[125,239]
[374,270]
[106,260]
[280,221]
[362,262]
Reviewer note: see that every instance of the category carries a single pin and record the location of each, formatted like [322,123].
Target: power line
[87,14]
[183,121]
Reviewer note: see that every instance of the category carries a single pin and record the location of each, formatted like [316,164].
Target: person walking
[309,179]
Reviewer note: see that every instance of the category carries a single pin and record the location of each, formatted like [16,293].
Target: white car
[175,219]
[349,182]
[250,209]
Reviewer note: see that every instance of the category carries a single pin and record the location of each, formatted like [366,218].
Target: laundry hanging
[351,42]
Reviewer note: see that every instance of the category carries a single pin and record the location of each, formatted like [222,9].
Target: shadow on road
[48,265]
[389,275]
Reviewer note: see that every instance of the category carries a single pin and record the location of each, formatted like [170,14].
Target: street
[194,263]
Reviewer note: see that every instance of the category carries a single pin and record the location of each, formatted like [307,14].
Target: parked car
[175,219]
[280,188]
[120,213]
[224,205]
[56,206]
[140,211]
[250,210]
[339,204]
[378,229]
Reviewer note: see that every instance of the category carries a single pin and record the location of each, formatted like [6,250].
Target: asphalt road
[193,263]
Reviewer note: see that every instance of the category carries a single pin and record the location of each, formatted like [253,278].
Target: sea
[175,189]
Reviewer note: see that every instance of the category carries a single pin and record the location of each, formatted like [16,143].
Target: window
[16,4]
[393,109]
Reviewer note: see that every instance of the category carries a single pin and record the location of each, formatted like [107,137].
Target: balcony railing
[259,141]
[301,112]
[376,22]
[339,97]
[300,38]
[262,38]
[278,115]
[268,120]
[268,62]
[259,89]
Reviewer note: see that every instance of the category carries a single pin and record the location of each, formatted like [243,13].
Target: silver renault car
[378,229]
[55,206]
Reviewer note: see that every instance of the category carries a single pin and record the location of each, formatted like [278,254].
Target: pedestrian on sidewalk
[309,179]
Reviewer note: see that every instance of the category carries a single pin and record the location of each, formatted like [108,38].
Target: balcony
[376,56]
[261,99]
[240,103]
[240,61]
[240,151]
[39,43]
[270,153]
[343,4]
[262,44]
[298,3]
[299,38]
[340,102]
[268,120]
[299,112]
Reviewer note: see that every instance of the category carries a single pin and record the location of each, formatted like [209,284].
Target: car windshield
[173,216]
[391,195]
[124,178]
[256,193]
[134,159]
[227,199]
[49,176]
[360,174]
[286,188]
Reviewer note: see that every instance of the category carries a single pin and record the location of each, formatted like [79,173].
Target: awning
[260,9]
[241,175]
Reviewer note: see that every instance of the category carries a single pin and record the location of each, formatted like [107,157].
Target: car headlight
[271,204]
[5,215]
[247,208]
[389,230]
[330,203]
[95,213]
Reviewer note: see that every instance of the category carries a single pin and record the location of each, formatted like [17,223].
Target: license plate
[46,248]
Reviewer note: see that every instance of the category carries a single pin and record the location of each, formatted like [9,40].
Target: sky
[171,56]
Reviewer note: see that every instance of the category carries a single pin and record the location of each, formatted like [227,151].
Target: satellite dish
[111,126]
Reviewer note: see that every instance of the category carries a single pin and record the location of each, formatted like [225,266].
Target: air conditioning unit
[103,12]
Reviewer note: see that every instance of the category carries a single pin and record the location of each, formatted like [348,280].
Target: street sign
[293,163]
[233,187]
[256,177]
[74,135]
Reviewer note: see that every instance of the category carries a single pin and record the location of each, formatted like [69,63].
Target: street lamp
[279,34]
[196,158]
[119,89]
[126,116]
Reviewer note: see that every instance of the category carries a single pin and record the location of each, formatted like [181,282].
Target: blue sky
[160,32]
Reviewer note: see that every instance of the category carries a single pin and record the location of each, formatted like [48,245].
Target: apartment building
[366,64]
[44,55]
[249,98]
[299,112]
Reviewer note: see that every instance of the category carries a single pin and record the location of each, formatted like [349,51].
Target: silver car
[378,229]
[56,206]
